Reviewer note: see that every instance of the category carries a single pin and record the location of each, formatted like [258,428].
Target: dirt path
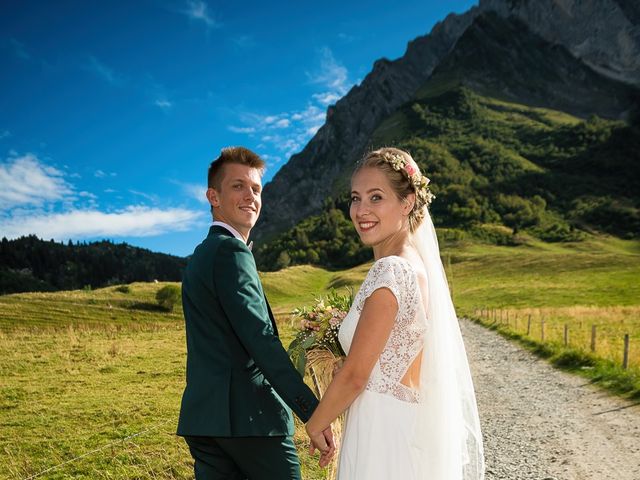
[541,423]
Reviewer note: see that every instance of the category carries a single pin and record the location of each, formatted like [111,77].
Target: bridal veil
[448,436]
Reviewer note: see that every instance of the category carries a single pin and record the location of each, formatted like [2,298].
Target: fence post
[529,326]
[625,358]
[566,335]
[542,329]
[593,338]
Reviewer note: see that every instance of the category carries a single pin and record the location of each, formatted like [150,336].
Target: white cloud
[5,134]
[312,118]
[272,160]
[194,190]
[102,174]
[35,198]
[87,195]
[326,98]
[151,198]
[242,129]
[288,132]
[131,221]
[311,131]
[283,123]
[199,10]
[332,74]
[346,37]
[25,180]
[163,104]
[103,71]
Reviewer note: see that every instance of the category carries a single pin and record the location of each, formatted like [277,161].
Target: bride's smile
[378,214]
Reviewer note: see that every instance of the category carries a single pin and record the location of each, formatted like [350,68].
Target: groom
[235,414]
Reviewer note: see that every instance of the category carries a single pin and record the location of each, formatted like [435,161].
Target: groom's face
[237,201]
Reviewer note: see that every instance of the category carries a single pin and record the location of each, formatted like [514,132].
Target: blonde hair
[393,163]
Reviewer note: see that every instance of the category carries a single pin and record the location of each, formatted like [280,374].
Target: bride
[406,383]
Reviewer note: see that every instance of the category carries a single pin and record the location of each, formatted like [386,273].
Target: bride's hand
[322,441]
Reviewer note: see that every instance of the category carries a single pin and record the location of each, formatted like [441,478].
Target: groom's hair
[239,155]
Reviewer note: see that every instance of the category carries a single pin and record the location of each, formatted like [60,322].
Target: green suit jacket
[240,381]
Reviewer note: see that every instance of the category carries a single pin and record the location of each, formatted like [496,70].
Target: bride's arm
[371,335]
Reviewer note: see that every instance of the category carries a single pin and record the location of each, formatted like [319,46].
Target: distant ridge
[31,264]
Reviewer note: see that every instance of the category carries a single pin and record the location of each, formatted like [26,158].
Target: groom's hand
[324,442]
[326,457]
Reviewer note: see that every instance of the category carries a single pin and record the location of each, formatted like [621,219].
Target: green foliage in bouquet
[318,328]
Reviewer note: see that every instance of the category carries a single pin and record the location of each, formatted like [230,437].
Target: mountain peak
[604,34]
[587,42]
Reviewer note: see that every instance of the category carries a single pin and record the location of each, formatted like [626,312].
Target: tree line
[31,264]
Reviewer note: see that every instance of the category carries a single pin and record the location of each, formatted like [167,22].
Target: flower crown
[419,182]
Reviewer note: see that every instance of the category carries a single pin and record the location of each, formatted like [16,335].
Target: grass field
[99,374]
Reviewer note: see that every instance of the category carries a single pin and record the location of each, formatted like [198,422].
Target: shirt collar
[234,231]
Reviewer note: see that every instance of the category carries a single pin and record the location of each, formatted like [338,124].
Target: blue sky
[110,112]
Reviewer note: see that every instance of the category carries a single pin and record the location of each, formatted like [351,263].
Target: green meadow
[90,381]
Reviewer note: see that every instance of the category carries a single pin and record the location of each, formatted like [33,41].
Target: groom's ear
[212,196]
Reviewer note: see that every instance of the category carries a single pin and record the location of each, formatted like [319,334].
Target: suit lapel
[217,229]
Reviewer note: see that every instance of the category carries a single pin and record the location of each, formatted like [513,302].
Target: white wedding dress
[378,441]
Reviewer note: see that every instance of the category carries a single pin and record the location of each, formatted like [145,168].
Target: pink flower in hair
[411,170]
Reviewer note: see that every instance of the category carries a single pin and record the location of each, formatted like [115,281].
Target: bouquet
[316,349]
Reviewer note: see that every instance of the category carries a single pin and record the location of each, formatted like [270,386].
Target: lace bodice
[407,335]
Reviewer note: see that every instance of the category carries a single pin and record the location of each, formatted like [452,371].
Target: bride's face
[376,211]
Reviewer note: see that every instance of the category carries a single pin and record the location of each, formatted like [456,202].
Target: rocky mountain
[502,172]
[604,34]
[582,57]
[501,58]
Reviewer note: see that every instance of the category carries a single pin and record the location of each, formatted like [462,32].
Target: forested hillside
[29,264]
[498,170]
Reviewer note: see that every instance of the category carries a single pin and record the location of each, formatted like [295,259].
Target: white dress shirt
[234,231]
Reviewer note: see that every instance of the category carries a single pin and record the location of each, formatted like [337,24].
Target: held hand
[322,441]
[325,458]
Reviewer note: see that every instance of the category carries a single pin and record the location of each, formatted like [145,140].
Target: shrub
[123,289]
[167,297]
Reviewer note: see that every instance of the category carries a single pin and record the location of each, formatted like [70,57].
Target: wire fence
[109,445]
